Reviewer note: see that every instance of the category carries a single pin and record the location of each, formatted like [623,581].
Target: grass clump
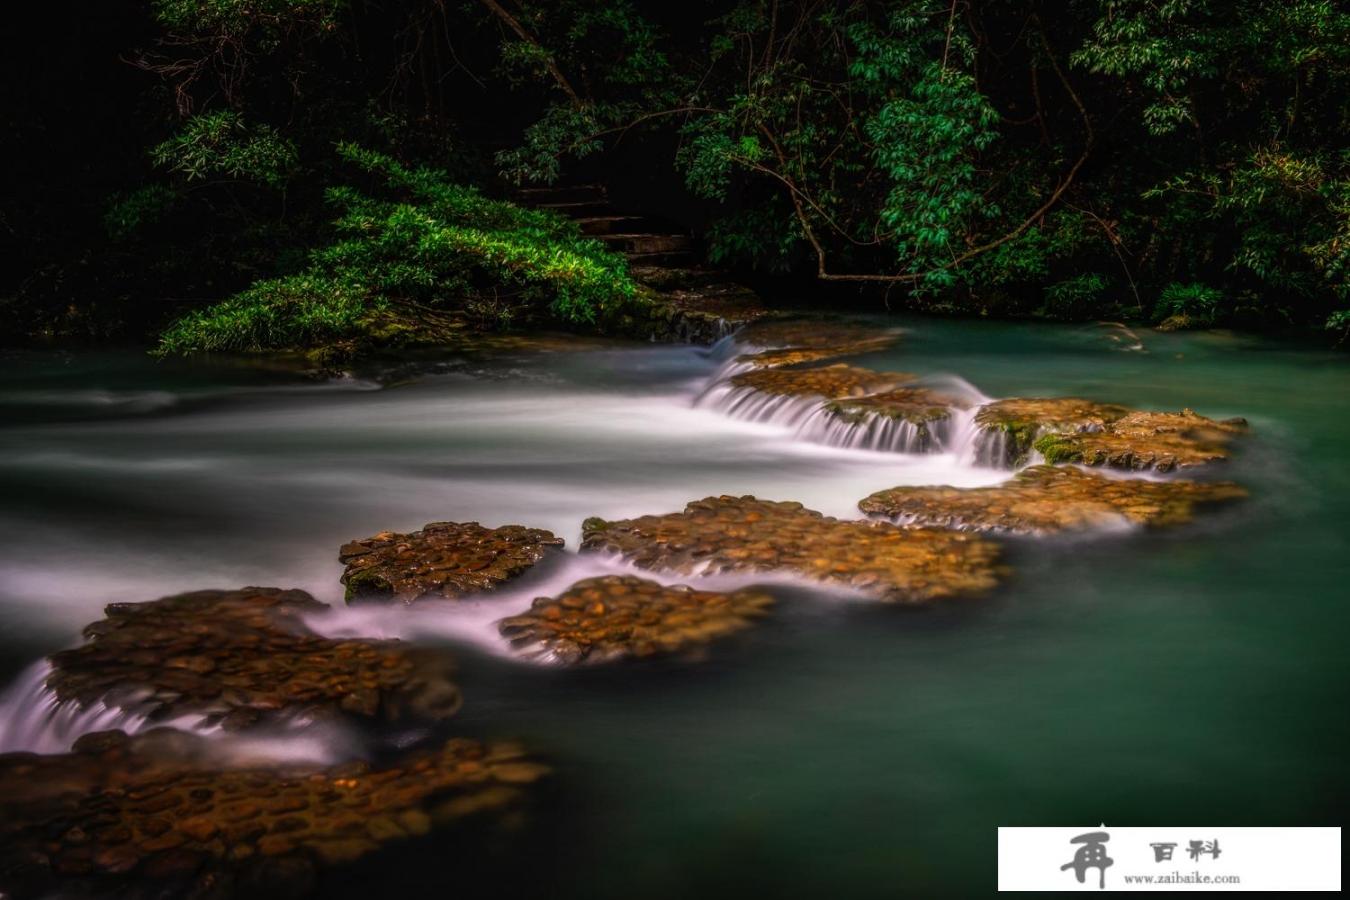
[414,240]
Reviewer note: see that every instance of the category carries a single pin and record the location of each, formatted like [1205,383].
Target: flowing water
[1196,676]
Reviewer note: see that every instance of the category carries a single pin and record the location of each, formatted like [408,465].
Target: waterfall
[810,418]
[34,719]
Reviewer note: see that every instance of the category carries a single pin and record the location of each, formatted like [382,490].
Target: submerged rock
[445,560]
[830,382]
[1045,499]
[1146,440]
[1012,426]
[166,814]
[612,617]
[794,341]
[236,658]
[743,534]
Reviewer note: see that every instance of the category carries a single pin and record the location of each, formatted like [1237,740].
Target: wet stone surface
[831,382]
[795,341]
[614,617]
[744,534]
[164,814]
[914,404]
[445,560]
[1069,429]
[1146,440]
[1046,499]
[1018,421]
[238,658]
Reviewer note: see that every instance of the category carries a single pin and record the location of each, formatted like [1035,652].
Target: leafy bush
[296,311]
[420,239]
[1197,303]
[220,143]
[1078,297]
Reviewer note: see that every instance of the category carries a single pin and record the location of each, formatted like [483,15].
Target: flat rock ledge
[239,658]
[614,617]
[162,814]
[794,341]
[744,534]
[1048,499]
[1146,440]
[1071,429]
[829,382]
[445,560]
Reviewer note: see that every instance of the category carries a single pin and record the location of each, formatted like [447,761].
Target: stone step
[648,243]
[573,193]
[578,209]
[600,225]
[671,260]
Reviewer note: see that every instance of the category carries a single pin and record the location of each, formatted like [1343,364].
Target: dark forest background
[238,174]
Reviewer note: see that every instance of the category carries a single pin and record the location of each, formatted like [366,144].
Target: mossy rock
[1047,499]
[444,560]
[166,814]
[615,617]
[1019,421]
[744,534]
[240,658]
[1146,440]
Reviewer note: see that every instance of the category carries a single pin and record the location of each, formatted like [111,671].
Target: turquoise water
[1191,677]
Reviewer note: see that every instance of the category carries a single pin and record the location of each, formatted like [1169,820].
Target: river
[841,749]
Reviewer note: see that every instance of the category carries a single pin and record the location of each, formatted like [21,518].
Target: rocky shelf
[615,617]
[166,814]
[444,560]
[744,534]
[239,658]
[1046,499]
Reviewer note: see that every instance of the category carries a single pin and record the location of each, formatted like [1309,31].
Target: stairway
[646,242]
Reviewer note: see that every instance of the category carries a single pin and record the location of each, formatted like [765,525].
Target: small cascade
[810,418]
[875,432]
[34,719]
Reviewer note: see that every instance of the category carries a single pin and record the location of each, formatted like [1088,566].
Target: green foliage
[926,145]
[296,311]
[418,239]
[1079,297]
[1198,303]
[133,211]
[222,144]
[234,16]
[618,72]
[754,238]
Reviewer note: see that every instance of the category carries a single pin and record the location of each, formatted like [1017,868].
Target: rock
[445,560]
[264,662]
[1045,499]
[344,814]
[794,341]
[744,534]
[830,382]
[1011,426]
[618,616]
[1146,440]
[1068,429]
